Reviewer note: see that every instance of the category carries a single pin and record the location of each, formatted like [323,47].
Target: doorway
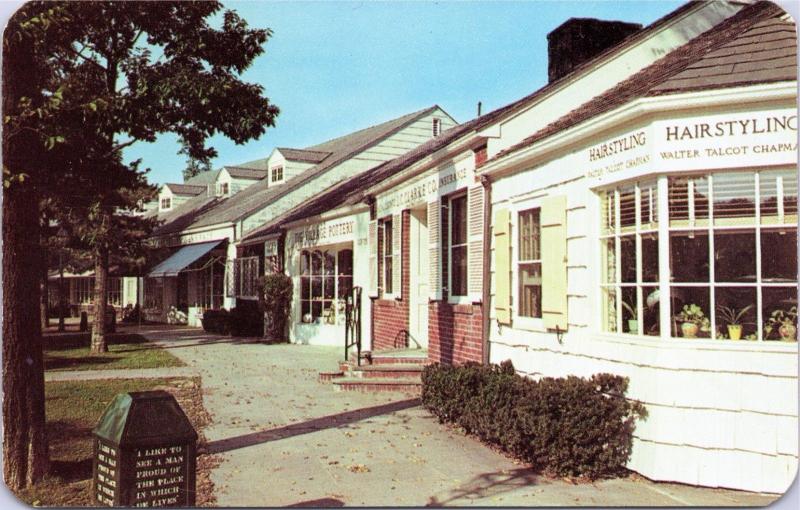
[418,283]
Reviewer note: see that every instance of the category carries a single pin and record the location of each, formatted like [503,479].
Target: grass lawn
[73,408]
[71,352]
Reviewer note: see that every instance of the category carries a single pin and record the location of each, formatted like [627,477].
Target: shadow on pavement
[318,503]
[487,485]
[306,427]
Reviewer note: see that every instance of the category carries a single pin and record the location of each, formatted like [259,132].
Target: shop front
[426,245]
[664,250]
[327,261]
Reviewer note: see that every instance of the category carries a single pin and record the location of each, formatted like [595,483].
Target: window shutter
[475,199]
[554,262]
[434,249]
[397,254]
[502,266]
[372,241]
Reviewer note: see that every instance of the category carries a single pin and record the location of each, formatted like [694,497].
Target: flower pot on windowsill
[689,329]
[735,331]
[633,326]
[788,332]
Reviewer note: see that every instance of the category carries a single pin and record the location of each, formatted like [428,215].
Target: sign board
[144,453]
[318,234]
[422,191]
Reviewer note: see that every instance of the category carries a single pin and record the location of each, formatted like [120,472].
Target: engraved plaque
[144,453]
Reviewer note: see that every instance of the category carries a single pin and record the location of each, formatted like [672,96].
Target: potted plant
[633,324]
[692,319]
[784,321]
[733,318]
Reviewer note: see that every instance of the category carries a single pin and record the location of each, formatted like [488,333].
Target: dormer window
[166,203]
[276,174]
[437,127]
[222,189]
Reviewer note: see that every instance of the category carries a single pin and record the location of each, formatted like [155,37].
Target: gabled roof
[757,45]
[186,189]
[239,172]
[303,155]
[203,178]
[256,196]
[185,214]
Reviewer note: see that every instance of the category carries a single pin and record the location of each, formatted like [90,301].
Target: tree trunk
[61,300]
[24,436]
[100,301]
[44,294]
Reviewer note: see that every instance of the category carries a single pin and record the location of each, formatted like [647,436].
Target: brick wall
[455,333]
[390,316]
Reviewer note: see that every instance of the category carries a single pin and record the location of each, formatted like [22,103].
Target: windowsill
[701,343]
[459,300]
[529,324]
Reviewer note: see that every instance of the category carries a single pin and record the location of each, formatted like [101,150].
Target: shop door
[418,320]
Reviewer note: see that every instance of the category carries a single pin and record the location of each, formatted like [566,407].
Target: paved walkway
[287,439]
[133,373]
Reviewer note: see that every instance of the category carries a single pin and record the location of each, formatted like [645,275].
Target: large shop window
[730,241]
[457,250]
[210,286]
[153,293]
[326,279]
[246,277]
[114,292]
[529,265]
[387,238]
[84,290]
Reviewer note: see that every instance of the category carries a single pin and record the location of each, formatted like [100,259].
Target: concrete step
[372,385]
[387,371]
[329,376]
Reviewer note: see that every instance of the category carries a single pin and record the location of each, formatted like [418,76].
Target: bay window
[326,279]
[730,241]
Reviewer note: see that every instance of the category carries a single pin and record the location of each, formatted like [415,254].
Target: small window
[277,174]
[222,189]
[166,203]
[437,127]
[386,254]
[529,265]
[458,246]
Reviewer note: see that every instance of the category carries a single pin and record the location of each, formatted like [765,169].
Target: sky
[336,67]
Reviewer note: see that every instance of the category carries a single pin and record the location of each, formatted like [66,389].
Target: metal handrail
[352,324]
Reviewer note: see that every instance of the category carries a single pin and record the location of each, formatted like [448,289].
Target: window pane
[610,259]
[682,203]
[316,309]
[627,248]
[305,307]
[734,256]
[771,184]
[387,274]
[345,286]
[316,263]
[305,263]
[734,197]
[779,307]
[329,287]
[610,308]
[345,262]
[529,235]
[650,257]
[736,305]
[630,322]
[459,215]
[316,287]
[530,290]
[688,296]
[459,278]
[305,287]
[330,263]
[651,311]
[779,255]
[649,205]
[688,256]
[627,207]
[388,237]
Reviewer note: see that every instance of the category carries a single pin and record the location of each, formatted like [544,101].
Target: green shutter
[502,266]
[554,262]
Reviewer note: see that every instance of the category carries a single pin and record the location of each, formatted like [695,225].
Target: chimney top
[579,39]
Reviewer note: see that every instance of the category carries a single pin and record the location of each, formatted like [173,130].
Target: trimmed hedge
[275,291]
[217,321]
[567,427]
[247,319]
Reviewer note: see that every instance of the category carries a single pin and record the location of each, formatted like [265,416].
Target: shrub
[567,427]
[247,319]
[217,321]
[275,295]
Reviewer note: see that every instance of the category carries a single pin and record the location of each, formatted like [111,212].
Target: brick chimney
[579,39]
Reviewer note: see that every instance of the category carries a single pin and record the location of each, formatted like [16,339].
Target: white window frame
[223,189]
[336,250]
[273,171]
[247,277]
[451,298]
[436,127]
[526,323]
[387,244]
[165,203]
[665,284]
[114,294]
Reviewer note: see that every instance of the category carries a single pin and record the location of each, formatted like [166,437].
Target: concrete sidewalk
[135,373]
[287,439]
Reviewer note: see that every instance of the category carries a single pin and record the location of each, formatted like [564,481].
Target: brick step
[372,385]
[396,359]
[329,376]
[386,371]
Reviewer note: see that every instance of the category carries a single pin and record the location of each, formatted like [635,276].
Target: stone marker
[144,452]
